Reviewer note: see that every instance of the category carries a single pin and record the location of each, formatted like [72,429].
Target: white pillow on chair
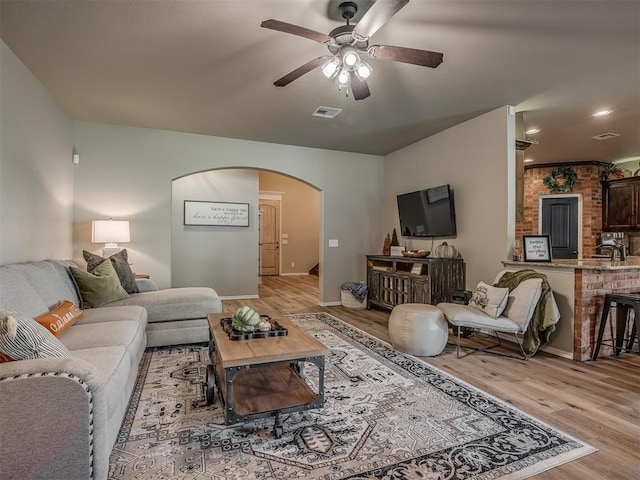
[489,300]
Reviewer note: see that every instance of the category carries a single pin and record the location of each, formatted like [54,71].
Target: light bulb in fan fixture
[363,70]
[350,58]
[331,67]
[343,77]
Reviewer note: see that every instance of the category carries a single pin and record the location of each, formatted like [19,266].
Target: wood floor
[597,402]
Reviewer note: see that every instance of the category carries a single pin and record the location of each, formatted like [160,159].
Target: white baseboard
[290,274]
[240,297]
[330,304]
[553,351]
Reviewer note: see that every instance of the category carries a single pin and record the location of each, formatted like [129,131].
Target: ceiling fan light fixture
[350,58]
[331,67]
[363,70]
[343,77]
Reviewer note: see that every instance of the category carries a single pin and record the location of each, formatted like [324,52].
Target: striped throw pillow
[22,338]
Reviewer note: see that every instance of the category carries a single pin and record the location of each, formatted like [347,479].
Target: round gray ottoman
[418,329]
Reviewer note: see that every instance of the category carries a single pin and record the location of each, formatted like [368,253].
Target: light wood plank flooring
[597,402]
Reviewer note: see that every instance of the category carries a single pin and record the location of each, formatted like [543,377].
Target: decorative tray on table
[415,253]
[277,330]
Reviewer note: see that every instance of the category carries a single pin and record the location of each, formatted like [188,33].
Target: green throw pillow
[120,263]
[100,287]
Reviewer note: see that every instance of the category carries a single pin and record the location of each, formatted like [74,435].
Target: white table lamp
[110,232]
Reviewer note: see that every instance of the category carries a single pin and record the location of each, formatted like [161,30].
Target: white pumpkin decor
[444,250]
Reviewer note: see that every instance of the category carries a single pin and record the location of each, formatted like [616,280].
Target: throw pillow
[100,287]
[60,318]
[22,338]
[120,263]
[490,300]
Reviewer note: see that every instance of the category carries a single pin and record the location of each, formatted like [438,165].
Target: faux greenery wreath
[567,173]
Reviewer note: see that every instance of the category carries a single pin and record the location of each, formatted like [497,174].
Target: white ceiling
[207,67]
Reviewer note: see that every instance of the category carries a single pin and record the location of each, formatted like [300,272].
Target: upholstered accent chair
[513,318]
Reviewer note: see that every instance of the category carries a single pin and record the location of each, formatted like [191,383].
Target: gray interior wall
[126,173]
[36,172]
[300,219]
[203,256]
[477,158]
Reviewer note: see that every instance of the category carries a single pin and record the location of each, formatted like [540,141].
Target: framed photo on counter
[537,248]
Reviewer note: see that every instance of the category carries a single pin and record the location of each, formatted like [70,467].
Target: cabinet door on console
[420,291]
[373,284]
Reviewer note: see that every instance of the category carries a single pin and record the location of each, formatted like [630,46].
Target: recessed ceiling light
[528,160]
[602,113]
[532,131]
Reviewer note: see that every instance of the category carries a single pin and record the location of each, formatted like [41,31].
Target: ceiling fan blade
[298,72]
[296,30]
[379,13]
[359,88]
[424,58]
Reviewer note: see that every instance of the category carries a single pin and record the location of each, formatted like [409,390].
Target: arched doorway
[227,257]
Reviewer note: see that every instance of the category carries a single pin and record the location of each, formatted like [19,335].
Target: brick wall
[590,289]
[587,184]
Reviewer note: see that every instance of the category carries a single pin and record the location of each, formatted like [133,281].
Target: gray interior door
[560,222]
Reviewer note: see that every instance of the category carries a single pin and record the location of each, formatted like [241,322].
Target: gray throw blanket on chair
[545,315]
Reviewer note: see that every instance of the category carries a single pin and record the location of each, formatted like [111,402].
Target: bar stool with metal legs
[624,302]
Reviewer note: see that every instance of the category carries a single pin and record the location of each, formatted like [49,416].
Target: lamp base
[108,251]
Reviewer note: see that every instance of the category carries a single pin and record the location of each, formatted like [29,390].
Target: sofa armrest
[146,285]
[53,419]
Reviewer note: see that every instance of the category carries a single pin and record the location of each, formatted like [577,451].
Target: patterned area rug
[386,416]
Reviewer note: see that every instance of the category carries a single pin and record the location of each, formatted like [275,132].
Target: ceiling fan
[349,43]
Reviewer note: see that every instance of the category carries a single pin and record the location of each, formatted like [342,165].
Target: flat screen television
[427,213]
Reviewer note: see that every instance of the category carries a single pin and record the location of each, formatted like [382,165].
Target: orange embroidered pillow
[60,318]
[5,358]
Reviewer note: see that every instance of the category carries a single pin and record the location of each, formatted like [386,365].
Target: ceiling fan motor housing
[348,10]
[343,35]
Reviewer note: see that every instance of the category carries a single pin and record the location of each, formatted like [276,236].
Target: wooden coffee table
[263,377]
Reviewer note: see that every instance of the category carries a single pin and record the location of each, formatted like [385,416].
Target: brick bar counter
[579,287]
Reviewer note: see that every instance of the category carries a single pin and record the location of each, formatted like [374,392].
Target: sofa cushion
[127,333]
[100,287]
[175,303]
[489,300]
[45,279]
[17,294]
[62,267]
[60,318]
[113,369]
[466,316]
[110,314]
[22,338]
[120,263]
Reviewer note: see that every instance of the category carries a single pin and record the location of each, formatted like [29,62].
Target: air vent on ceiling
[326,112]
[606,136]
[523,144]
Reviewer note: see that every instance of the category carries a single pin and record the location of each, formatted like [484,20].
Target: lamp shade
[110,231]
